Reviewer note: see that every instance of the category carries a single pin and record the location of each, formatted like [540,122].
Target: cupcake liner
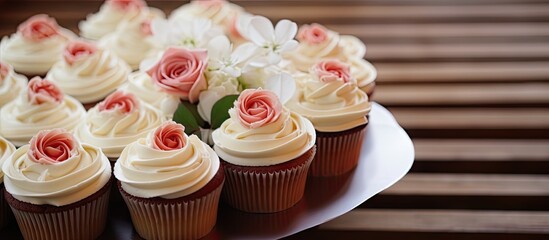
[187,217]
[337,153]
[4,208]
[84,219]
[269,189]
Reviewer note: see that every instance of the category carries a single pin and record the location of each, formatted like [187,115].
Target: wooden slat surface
[468,80]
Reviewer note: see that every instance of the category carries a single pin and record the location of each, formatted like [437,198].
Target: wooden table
[468,80]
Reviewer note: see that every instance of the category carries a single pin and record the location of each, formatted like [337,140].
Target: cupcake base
[267,189]
[187,217]
[84,219]
[338,152]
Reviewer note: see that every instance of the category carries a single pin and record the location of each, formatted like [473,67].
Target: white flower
[272,41]
[222,58]
[282,84]
[195,33]
[220,84]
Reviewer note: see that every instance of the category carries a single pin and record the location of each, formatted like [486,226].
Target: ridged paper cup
[4,208]
[267,189]
[187,217]
[84,219]
[338,152]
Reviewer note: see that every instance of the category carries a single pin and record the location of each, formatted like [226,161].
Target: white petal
[283,85]
[273,58]
[219,48]
[289,46]
[261,30]
[206,100]
[160,29]
[243,53]
[243,24]
[285,30]
[232,71]
[148,63]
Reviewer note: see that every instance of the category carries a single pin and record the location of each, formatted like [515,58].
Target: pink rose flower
[42,90]
[52,146]
[332,70]
[39,27]
[312,34]
[119,101]
[127,5]
[257,107]
[169,136]
[4,71]
[181,72]
[77,50]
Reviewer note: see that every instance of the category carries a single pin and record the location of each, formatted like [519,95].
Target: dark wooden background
[467,79]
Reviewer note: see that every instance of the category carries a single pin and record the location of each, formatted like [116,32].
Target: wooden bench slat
[471,184]
[485,150]
[418,51]
[472,118]
[463,221]
[473,94]
[443,30]
[463,72]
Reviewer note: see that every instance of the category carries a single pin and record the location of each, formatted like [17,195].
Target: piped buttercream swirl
[11,84]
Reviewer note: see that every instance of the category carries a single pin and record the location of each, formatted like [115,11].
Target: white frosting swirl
[20,120]
[332,107]
[353,46]
[60,184]
[6,149]
[285,139]
[365,74]
[142,86]
[129,43]
[92,78]
[33,57]
[114,130]
[11,86]
[147,172]
[106,21]
[220,14]
[306,55]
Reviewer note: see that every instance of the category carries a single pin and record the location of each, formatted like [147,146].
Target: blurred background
[469,82]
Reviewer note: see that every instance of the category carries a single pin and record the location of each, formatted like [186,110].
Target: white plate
[387,155]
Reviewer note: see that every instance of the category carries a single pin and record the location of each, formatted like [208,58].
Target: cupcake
[117,121]
[266,151]
[36,46]
[111,14]
[317,43]
[41,106]
[142,85]
[329,97]
[11,83]
[6,149]
[88,73]
[58,188]
[131,41]
[170,177]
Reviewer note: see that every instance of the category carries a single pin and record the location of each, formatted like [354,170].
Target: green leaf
[193,108]
[184,116]
[220,110]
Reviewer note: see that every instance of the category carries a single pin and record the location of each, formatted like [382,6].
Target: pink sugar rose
[4,71]
[257,107]
[332,70]
[312,34]
[77,50]
[119,101]
[181,72]
[41,90]
[127,5]
[169,136]
[38,27]
[52,146]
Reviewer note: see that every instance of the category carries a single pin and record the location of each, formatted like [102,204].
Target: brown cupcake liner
[188,217]
[267,190]
[84,219]
[4,208]
[338,152]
